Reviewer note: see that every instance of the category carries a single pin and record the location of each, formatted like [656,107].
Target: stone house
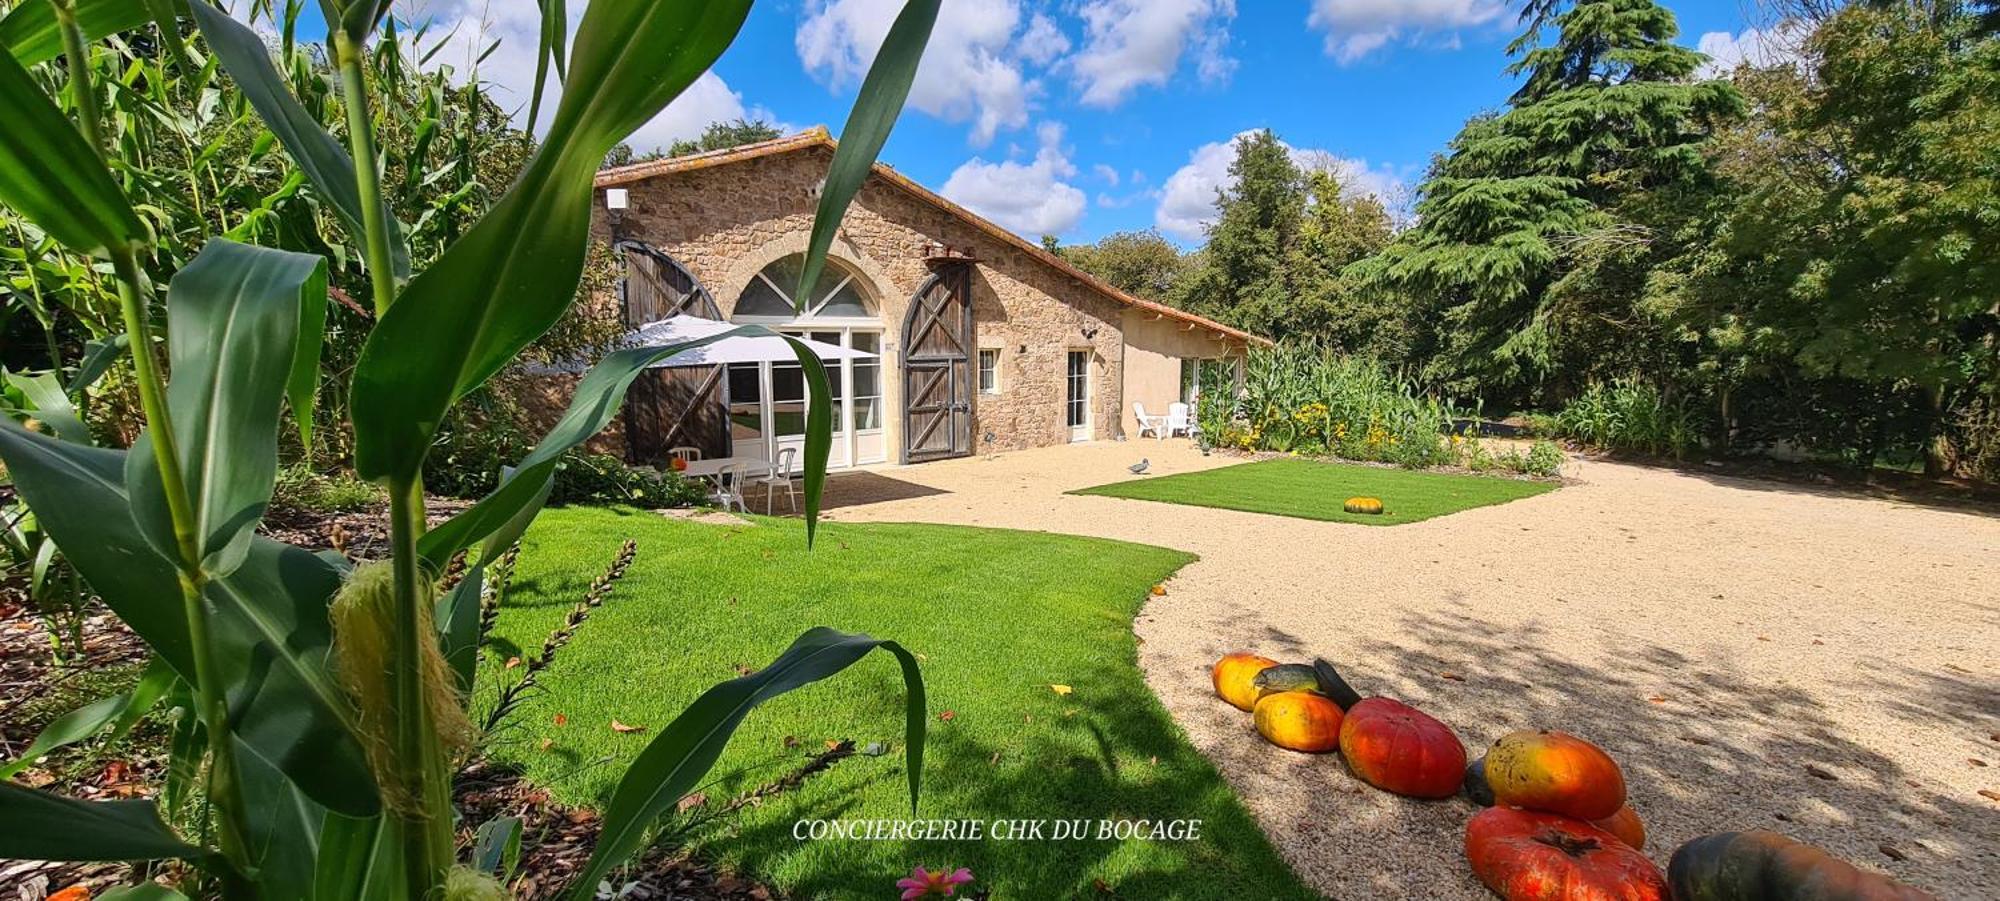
[986,341]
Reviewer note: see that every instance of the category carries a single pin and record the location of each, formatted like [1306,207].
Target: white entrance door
[1076,406]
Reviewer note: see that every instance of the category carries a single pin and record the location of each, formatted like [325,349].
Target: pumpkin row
[1557,827]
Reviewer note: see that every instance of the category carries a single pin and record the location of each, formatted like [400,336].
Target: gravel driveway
[1756,655]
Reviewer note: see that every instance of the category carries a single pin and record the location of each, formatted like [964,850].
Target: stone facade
[727,221]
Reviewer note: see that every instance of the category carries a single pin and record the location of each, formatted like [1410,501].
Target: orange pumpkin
[1759,864]
[1626,825]
[1525,855]
[1555,772]
[1393,746]
[1233,674]
[1369,506]
[1299,720]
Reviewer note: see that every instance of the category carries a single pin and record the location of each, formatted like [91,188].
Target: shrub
[1311,400]
[1631,417]
[604,479]
[300,487]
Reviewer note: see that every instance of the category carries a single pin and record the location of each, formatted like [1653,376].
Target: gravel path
[1756,655]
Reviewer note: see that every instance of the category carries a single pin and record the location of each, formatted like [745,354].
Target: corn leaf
[322,158]
[513,274]
[31,34]
[45,826]
[120,710]
[268,618]
[50,175]
[244,332]
[595,402]
[675,762]
[283,826]
[49,404]
[358,861]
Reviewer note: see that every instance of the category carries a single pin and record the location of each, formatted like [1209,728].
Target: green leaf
[819,432]
[31,34]
[321,157]
[244,330]
[144,891]
[269,617]
[496,847]
[122,710]
[50,404]
[457,617]
[554,37]
[675,762]
[868,126]
[44,826]
[78,495]
[98,355]
[358,861]
[51,176]
[513,274]
[273,644]
[283,827]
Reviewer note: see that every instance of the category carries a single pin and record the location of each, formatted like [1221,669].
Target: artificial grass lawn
[996,616]
[1311,489]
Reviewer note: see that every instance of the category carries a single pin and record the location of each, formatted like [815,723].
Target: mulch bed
[556,839]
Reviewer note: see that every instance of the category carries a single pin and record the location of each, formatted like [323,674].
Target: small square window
[989,370]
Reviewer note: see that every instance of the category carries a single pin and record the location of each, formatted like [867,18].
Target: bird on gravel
[1139,468]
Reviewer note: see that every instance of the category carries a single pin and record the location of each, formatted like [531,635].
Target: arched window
[837,294]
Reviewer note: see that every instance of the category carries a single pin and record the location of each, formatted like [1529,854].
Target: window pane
[989,372]
[867,413]
[867,378]
[785,273]
[870,342]
[788,418]
[759,299]
[743,383]
[788,382]
[845,302]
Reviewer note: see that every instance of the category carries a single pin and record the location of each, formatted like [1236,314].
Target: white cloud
[1187,199]
[1030,198]
[1356,28]
[1759,48]
[971,71]
[1108,174]
[1043,42]
[1130,44]
[471,26]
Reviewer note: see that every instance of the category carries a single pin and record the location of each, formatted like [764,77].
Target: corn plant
[328,700]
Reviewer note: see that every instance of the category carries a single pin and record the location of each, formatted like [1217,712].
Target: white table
[710,467]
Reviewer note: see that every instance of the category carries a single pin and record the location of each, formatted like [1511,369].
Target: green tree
[1141,263]
[1244,279]
[1545,191]
[1337,229]
[724,135]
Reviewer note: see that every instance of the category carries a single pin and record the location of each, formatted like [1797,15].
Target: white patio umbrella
[734,349]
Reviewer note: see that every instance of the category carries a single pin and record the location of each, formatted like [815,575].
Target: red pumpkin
[1299,720]
[1393,746]
[1523,855]
[1626,825]
[1555,772]
[1731,865]
[1233,676]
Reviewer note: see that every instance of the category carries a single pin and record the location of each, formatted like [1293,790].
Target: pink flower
[922,883]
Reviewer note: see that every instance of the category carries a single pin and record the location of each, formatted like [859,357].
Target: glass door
[1077,403]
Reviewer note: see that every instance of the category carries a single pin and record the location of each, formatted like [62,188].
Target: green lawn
[1311,489]
[998,616]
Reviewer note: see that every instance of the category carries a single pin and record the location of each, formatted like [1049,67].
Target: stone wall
[727,222]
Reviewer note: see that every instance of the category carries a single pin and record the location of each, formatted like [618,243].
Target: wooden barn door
[668,408]
[937,367]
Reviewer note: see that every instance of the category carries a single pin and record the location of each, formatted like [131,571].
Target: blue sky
[1085,117]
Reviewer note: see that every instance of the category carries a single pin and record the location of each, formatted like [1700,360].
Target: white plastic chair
[779,474]
[685,454]
[1178,420]
[1155,424]
[729,487]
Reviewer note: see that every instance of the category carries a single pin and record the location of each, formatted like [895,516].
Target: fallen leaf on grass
[947,715]
[562,719]
[547,743]
[621,728]
[791,741]
[1063,690]
[513,662]
[691,801]
[743,669]
[1159,590]
[994,760]
[833,744]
